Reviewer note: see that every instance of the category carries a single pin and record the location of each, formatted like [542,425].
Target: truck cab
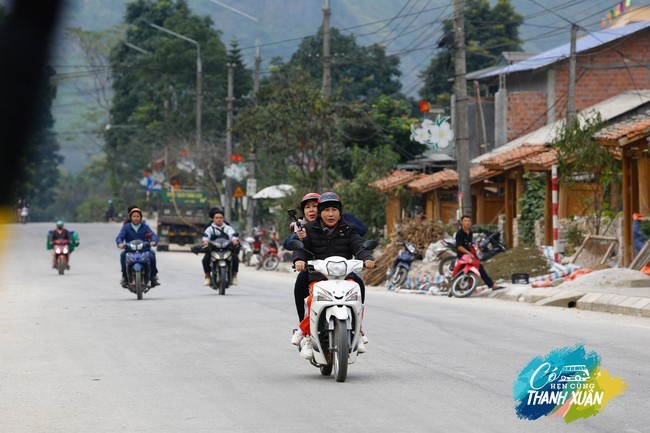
[182,217]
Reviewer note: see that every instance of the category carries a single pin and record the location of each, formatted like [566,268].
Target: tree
[488,32]
[155,94]
[358,73]
[365,202]
[388,123]
[287,128]
[582,159]
[39,173]
[242,77]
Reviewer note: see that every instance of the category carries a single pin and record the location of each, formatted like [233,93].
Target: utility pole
[327,88]
[229,121]
[460,92]
[571,92]
[250,209]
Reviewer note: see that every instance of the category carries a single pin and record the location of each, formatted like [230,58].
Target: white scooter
[335,313]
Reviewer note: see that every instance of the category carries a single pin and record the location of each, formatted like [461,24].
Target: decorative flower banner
[568,382]
[236,171]
[436,134]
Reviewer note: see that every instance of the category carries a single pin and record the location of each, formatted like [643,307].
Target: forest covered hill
[408,28]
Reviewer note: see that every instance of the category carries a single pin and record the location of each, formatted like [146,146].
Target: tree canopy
[488,32]
[360,73]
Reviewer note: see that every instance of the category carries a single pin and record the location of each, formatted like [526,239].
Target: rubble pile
[419,233]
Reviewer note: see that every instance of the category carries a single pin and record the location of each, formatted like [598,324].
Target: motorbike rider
[309,206]
[219,229]
[58,234]
[464,242]
[132,230]
[330,235]
[110,211]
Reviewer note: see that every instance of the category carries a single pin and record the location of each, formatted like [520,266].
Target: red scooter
[61,255]
[465,277]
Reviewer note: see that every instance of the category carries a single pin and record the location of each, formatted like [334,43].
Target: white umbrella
[274,191]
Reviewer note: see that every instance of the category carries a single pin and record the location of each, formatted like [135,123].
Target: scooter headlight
[323,296]
[337,269]
[354,297]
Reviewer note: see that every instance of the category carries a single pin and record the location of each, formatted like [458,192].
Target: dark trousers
[485,276]
[152,263]
[301,289]
[206,263]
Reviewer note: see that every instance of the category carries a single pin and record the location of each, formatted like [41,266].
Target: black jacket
[344,241]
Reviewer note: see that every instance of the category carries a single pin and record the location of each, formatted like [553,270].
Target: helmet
[307,197]
[59,223]
[135,209]
[329,199]
[110,201]
[213,211]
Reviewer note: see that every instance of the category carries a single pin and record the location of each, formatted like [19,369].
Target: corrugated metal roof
[608,109]
[586,43]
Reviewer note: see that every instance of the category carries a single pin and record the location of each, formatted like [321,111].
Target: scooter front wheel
[60,264]
[464,284]
[271,263]
[446,266]
[399,276]
[340,350]
[139,285]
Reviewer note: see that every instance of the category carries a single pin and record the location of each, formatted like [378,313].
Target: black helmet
[329,199]
[308,197]
[215,210]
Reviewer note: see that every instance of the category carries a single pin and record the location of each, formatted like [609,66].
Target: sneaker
[234,281]
[206,281]
[123,282]
[306,351]
[361,347]
[67,267]
[364,338]
[498,287]
[296,338]
[154,281]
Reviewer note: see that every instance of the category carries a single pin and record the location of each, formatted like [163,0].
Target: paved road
[80,354]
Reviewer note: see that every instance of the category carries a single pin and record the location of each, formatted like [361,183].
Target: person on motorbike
[132,230]
[110,212]
[60,233]
[219,229]
[464,242]
[309,206]
[330,235]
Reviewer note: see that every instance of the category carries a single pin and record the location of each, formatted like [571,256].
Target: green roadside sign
[184,197]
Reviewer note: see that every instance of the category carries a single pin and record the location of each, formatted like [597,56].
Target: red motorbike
[465,277]
[270,259]
[61,249]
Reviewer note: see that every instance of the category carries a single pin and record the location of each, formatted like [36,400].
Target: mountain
[408,28]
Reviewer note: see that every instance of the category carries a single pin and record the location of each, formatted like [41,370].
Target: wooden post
[548,211]
[627,210]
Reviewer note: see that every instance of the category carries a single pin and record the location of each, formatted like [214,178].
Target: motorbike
[465,277]
[335,313]
[246,250]
[398,273]
[62,250]
[446,254]
[138,267]
[221,251]
[269,258]
[489,245]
